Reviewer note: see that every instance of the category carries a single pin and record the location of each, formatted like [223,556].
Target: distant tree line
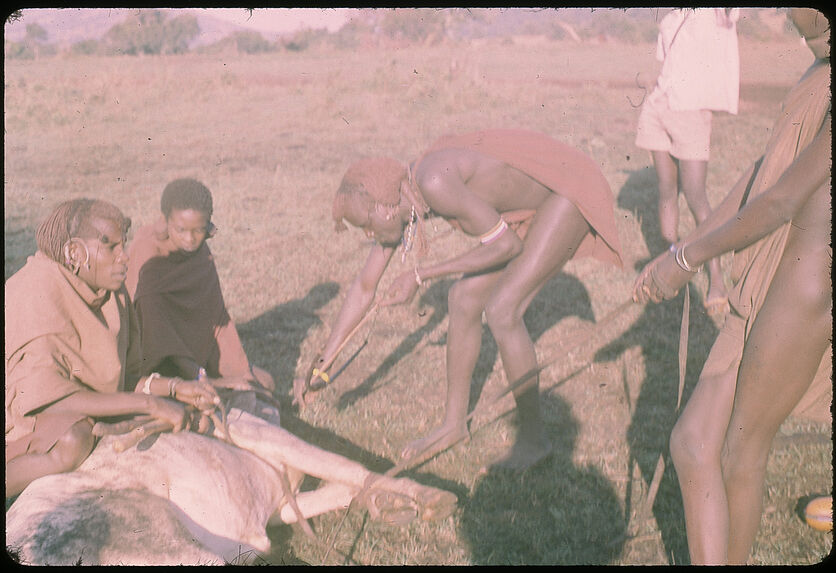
[153,32]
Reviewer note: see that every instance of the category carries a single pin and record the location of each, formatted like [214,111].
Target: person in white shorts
[700,75]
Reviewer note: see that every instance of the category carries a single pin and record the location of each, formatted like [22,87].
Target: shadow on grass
[273,340]
[656,332]
[434,302]
[556,513]
[561,297]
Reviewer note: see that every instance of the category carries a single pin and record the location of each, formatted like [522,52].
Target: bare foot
[436,441]
[522,455]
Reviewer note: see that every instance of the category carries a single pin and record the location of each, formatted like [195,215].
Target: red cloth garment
[565,170]
[61,337]
[180,305]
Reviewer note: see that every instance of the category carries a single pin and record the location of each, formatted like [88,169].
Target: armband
[494,233]
[172,386]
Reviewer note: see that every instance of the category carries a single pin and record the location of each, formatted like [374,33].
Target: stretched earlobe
[70,258]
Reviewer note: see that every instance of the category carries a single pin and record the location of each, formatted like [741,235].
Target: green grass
[271,135]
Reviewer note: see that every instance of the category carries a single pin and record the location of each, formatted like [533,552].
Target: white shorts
[684,134]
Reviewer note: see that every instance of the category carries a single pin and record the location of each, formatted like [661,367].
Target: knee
[689,450]
[463,301]
[73,447]
[501,316]
[741,459]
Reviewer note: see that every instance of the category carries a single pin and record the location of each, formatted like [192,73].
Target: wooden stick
[301,386]
[523,382]
[351,334]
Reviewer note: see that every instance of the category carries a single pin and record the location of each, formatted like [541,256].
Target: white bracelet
[172,386]
[148,379]
[497,230]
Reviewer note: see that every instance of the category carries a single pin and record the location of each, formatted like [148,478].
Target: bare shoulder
[462,163]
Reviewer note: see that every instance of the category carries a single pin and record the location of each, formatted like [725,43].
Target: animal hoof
[390,508]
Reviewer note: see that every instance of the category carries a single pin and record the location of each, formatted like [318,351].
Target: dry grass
[271,136]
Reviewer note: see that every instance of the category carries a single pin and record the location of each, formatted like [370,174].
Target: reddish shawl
[180,305]
[560,167]
[804,110]
[61,337]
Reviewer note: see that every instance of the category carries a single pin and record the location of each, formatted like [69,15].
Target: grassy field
[272,135]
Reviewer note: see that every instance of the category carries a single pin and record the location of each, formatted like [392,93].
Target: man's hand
[402,289]
[660,279]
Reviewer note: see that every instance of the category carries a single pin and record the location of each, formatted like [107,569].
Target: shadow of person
[273,340]
[555,513]
[640,195]
[656,332]
[561,297]
[280,534]
[434,303]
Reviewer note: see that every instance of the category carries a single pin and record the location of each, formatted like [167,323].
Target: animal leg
[275,445]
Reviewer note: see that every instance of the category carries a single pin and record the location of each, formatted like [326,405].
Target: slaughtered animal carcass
[192,499]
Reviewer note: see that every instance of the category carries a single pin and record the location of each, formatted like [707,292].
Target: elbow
[781,210]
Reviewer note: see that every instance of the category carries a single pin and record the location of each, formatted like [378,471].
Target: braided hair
[73,219]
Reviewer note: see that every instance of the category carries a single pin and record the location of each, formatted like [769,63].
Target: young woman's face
[385,228]
[104,265]
[187,229]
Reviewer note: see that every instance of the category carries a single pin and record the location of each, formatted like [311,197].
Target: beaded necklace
[409,234]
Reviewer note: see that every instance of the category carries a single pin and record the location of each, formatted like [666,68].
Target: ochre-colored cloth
[753,268]
[180,306]
[560,167]
[61,337]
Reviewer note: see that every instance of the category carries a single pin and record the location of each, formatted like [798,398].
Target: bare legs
[466,301]
[66,455]
[690,175]
[552,239]
[720,444]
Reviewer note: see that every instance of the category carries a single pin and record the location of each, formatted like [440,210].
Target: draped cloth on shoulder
[180,305]
[560,167]
[61,337]
[753,268]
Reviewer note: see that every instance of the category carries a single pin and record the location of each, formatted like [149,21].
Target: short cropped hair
[186,193]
